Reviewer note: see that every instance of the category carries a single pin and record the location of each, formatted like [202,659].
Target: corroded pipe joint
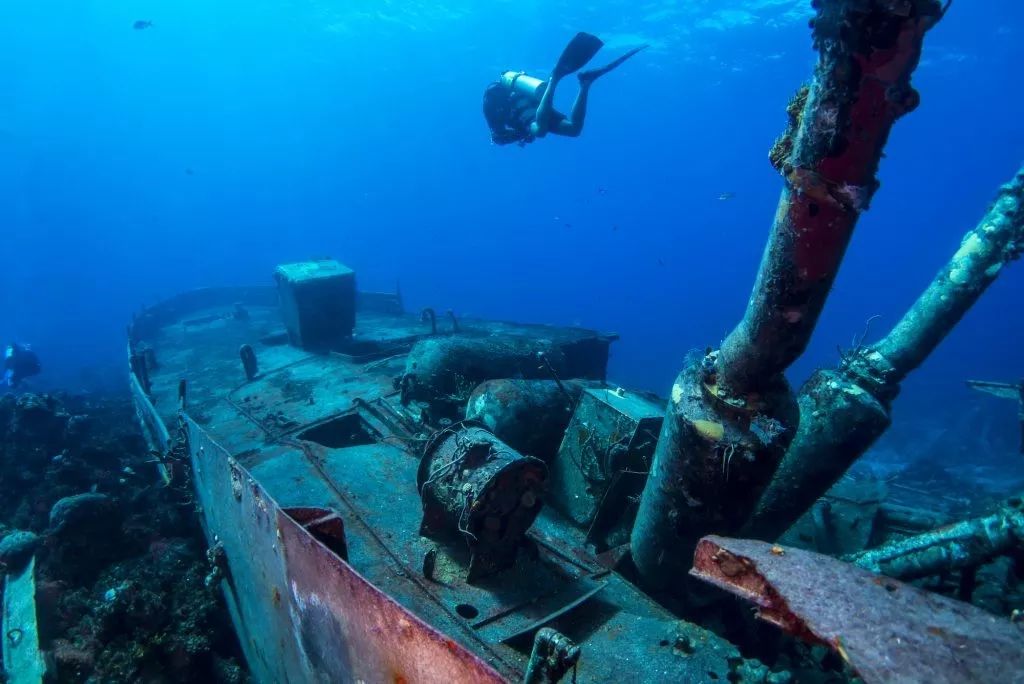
[839,420]
[553,655]
[843,412]
[829,156]
[713,459]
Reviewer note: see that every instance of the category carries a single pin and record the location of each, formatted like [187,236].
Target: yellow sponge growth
[709,430]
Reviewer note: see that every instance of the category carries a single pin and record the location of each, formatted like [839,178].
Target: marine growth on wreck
[312,481]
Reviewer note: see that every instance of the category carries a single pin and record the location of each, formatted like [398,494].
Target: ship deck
[328,431]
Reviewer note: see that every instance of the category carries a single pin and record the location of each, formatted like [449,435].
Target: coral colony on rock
[117,561]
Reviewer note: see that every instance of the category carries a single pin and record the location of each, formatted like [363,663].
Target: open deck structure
[309,475]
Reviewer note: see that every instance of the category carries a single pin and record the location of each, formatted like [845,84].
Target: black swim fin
[580,50]
[591,75]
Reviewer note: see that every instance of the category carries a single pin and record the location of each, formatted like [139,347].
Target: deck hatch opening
[467,611]
[344,431]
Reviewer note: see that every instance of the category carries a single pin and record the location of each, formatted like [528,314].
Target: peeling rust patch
[884,629]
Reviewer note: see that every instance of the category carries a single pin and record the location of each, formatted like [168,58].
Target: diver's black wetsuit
[523,114]
[509,115]
[19,363]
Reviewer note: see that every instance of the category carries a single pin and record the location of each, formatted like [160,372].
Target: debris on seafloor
[116,589]
[962,545]
[887,631]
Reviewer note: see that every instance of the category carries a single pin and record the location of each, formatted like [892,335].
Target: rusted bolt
[683,646]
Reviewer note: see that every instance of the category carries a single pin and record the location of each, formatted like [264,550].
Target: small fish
[661,262]
[142,24]
[725,196]
[601,191]
[189,172]
[615,227]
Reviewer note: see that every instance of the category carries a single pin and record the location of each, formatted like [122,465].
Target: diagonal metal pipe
[843,411]
[732,414]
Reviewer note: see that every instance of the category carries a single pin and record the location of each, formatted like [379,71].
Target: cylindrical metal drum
[475,486]
[531,415]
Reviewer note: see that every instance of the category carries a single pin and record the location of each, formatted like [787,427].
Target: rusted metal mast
[843,411]
[732,413]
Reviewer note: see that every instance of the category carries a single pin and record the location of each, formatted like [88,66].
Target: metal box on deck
[318,303]
[603,462]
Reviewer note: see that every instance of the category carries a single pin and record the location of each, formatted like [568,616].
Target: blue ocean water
[231,136]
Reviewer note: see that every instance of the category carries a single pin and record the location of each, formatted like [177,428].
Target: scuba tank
[519,82]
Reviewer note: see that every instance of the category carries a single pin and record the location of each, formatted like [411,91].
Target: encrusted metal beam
[965,544]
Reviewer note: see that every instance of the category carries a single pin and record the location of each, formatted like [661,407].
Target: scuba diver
[20,362]
[520,108]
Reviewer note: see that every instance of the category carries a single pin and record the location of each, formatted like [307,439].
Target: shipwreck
[413,497]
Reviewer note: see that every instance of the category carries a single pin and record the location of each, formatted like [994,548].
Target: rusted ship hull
[302,613]
[305,476]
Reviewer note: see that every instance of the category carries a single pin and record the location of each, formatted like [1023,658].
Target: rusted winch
[475,486]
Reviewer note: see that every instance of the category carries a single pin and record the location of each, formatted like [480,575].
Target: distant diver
[520,108]
[20,362]
[142,24]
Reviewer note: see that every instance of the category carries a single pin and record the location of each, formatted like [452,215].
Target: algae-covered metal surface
[335,432]
[421,548]
[328,622]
